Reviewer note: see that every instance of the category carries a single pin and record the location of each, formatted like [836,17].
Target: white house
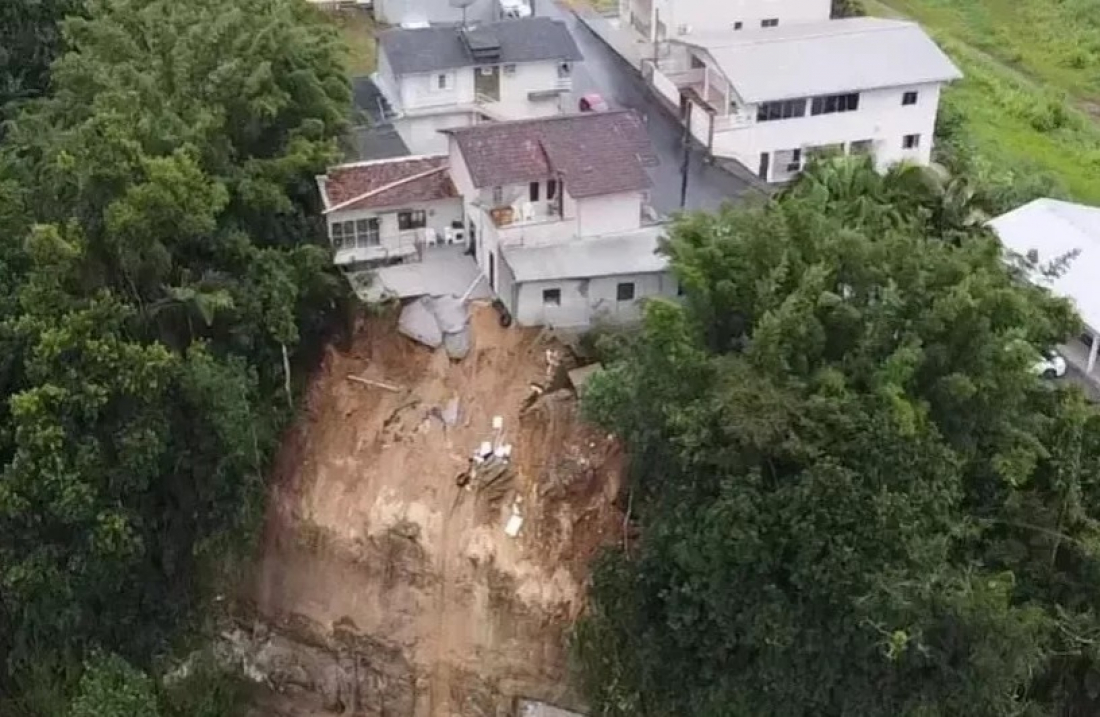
[769,98]
[660,20]
[390,211]
[436,78]
[1045,231]
[439,12]
[555,211]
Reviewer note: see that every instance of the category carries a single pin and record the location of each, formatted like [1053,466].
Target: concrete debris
[498,423]
[515,522]
[449,414]
[438,321]
[419,323]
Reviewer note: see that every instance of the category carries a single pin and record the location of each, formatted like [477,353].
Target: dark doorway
[765,161]
[487,83]
[493,271]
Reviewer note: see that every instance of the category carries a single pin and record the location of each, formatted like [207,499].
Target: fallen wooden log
[376,384]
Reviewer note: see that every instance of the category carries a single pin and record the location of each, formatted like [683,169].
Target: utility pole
[685,117]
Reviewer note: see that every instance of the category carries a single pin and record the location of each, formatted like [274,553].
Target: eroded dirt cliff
[384,588]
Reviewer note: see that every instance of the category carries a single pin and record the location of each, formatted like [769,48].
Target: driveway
[605,72]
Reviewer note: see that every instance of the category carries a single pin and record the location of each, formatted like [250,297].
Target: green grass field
[1032,87]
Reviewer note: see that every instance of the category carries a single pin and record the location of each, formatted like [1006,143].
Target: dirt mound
[368,528]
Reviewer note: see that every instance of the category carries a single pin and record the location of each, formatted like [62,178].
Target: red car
[592,102]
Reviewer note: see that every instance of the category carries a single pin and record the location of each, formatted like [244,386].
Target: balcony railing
[407,245]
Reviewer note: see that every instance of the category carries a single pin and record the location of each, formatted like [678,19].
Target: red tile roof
[387,183]
[595,153]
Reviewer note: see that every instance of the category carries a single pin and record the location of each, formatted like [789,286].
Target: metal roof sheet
[824,58]
[631,253]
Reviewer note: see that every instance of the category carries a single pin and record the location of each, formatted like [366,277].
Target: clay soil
[368,528]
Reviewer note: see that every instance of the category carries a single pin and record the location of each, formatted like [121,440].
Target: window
[770,22]
[861,146]
[534,190]
[625,291]
[909,98]
[795,163]
[738,25]
[768,111]
[696,63]
[412,219]
[910,141]
[830,104]
[565,70]
[498,196]
[350,235]
[509,70]
[442,81]
[551,189]
[551,297]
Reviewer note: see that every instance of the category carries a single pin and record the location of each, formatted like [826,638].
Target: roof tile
[594,153]
[402,181]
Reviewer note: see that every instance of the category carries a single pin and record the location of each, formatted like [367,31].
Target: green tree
[112,688]
[30,39]
[856,497]
[160,233]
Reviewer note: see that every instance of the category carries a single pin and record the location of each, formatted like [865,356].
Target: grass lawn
[1026,106]
[357,30]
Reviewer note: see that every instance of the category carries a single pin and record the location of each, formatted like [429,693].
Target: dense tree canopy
[856,496]
[30,39]
[160,275]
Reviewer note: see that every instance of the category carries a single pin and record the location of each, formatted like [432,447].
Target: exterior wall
[393,241]
[396,12]
[609,214]
[421,91]
[530,77]
[881,117]
[422,134]
[588,301]
[711,16]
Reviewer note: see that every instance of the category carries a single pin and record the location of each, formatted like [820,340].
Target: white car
[1051,364]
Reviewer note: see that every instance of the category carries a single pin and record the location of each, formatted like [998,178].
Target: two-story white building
[660,20]
[555,212]
[771,98]
[437,78]
[411,13]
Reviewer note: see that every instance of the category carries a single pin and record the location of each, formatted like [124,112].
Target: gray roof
[613,255]
[822,58]
[1053,229]
[428,49]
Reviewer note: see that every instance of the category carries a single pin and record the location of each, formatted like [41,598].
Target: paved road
[603,71]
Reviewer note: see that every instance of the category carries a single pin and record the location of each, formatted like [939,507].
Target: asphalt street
[604,72]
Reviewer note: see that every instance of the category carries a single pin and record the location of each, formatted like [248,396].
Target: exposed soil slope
[368,532]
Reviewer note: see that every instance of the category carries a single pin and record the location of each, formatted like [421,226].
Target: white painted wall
[717,15]
[395,12]
[422,133]
[440,215]
[881,117]
[609,214]
[588,301]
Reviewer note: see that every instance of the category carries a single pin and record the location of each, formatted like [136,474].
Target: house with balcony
[396,226]
[660,20]
[772,98]
[436,78]
[555,209]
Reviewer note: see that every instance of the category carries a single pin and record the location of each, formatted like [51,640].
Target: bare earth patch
[369,532]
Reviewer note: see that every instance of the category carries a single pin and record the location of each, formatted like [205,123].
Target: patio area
[444,270]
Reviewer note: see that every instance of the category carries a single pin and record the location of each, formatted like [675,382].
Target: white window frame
[442,82]
[551,297]
[914,138]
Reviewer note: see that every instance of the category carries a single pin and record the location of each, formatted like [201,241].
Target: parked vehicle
[1051,364]
[592,102]
[514,9]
